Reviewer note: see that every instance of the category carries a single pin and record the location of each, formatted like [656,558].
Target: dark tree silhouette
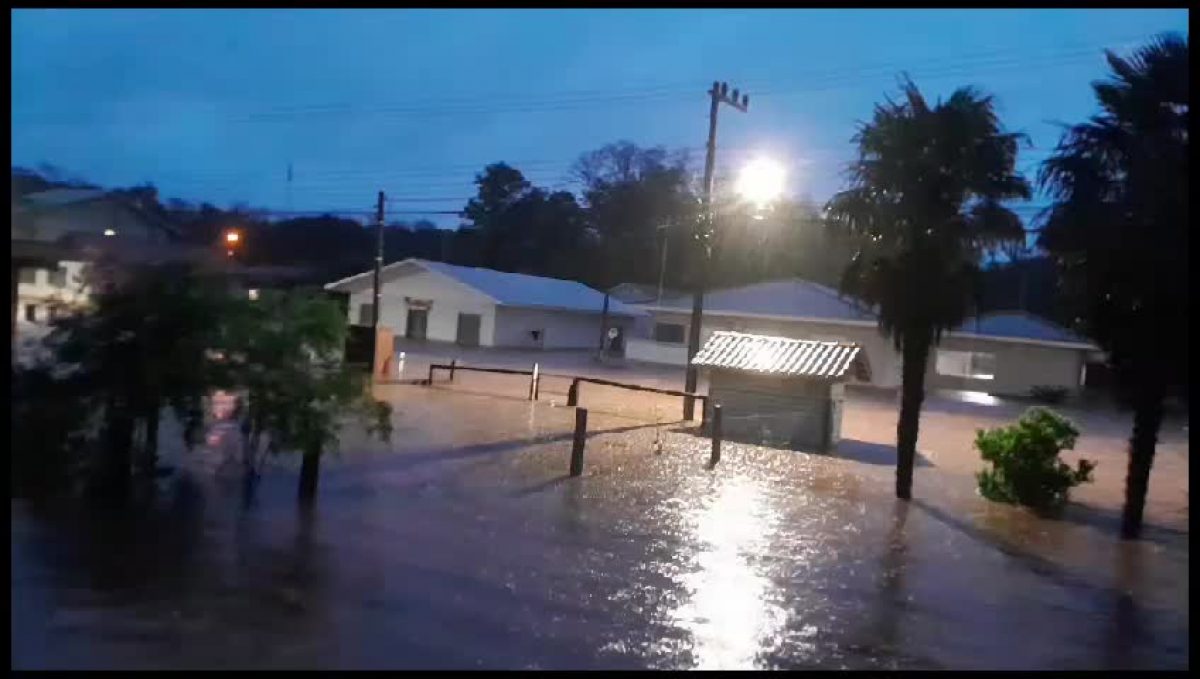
[1118,231]
[924,204]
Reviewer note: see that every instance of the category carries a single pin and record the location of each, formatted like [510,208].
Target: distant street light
[233,240]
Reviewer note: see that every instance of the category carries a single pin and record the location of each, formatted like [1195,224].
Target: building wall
[448,297]
[91,217]
[792,412]
[1018,367]
[42,293]
[649,351]
[561,329]
[883,359]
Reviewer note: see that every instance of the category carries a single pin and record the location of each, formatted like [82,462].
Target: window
[668,332]
[29,276]
[970,364]
[31,313]
[52,312]
[58,277]
[365,314]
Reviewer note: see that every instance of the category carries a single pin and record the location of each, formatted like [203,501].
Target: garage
[473,307]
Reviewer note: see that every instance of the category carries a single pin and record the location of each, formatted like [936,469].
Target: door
[468,330]
[417,323]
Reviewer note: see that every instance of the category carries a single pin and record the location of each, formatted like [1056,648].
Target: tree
[629,193]
[285,350]
[142,346]
[1118,233]
[924,204]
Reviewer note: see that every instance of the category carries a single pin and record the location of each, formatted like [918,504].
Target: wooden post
[533,383]
[716,435]
[429,382]
[703,413]
[573,393]
[453,362]
[577,444]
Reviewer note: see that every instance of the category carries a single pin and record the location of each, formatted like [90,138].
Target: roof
[638,293]
[792,297]
[1019,325]
[511,289]
[803,300]
[62,196]
[766,355]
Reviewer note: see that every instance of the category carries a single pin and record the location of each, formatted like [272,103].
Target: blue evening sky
[214,104]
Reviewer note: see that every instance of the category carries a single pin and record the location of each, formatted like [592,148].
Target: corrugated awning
[783,356]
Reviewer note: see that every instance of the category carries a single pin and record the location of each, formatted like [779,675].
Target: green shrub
[1046,394]
[1025,468]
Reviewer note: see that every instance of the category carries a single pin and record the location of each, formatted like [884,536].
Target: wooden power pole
[376,307]
[719,94]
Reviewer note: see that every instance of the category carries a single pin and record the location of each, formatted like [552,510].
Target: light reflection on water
[728,609]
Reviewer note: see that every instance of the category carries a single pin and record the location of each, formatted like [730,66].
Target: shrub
[1046,394]
[1025,468]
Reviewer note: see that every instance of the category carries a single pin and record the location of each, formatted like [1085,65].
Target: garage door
[468,330]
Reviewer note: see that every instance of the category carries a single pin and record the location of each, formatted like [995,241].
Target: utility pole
[719,94]
[375,306]
[662,268]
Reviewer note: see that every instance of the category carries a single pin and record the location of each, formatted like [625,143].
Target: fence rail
[573,392]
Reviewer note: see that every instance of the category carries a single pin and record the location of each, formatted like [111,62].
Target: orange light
[232,237]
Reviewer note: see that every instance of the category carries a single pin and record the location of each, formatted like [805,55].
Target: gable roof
[1019,325]
[510,289]
[638,293]
[62,196]
[793,297]
[783,356]
[801,300]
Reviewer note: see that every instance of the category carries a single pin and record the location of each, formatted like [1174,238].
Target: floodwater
[464,544]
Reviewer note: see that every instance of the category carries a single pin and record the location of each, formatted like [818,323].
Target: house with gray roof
[1002,353]
[435,301]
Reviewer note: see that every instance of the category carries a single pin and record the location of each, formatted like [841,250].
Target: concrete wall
[1019,367]
[448,297]
[560,329]
[42,294]
[649,351]
[884,361]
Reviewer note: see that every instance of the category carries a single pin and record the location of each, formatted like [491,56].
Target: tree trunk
[1147,417]
[148,462]
[309,471]
[912,393]
[118,444]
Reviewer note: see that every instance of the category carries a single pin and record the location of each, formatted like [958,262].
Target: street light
[233,239]
[761,182]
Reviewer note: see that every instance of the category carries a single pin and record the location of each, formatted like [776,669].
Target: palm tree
[1118,233]
[925,202]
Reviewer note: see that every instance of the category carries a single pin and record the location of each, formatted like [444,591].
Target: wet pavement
[464,544]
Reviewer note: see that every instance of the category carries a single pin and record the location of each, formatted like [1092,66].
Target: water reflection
[728,607]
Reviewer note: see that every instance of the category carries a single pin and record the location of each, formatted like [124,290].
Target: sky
[215,105]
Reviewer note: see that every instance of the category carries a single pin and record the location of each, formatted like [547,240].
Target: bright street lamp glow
[232,237]
[761,181]
[109,232]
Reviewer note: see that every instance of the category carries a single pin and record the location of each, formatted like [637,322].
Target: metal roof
[792,297]
[1019,325]
[783,356]
[509,289]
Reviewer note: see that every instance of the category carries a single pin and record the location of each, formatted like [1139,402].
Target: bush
[1051,395]
[1025,468]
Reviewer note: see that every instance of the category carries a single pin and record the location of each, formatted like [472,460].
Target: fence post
[573,393]
[453,362]
[703,412]
[716,435]
[577,444]
[533,383]
[429,382]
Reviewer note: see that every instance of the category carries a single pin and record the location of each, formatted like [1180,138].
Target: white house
[423,300]
[1005,353]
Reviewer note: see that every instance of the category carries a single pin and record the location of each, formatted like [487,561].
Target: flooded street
[464,544]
